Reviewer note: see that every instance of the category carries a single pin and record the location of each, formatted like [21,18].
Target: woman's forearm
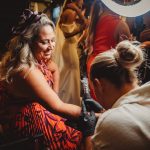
[69,111]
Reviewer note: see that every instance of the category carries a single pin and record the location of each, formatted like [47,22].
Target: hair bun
[129,55]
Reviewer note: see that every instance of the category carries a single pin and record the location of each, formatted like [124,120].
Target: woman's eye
[53,40]
[45,42]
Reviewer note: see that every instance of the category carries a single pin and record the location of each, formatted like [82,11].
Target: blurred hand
[145,44]
[92,105]
[86,23]
[123,37]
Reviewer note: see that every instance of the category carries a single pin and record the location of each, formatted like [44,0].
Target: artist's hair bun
[129,55]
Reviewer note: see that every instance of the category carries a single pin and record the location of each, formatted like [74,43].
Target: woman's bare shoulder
[22,81]
[26,70]
[28,81]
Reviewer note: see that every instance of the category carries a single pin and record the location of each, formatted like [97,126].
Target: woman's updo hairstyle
[129,54]
[118,65]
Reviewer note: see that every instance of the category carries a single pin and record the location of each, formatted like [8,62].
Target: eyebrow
[54,37]
[43,40]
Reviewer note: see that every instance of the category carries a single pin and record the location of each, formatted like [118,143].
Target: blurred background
[10,11]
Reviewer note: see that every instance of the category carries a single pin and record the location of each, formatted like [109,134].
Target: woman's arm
[37,84]
[83,36]
[55,72]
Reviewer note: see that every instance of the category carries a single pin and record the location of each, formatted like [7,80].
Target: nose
[50,45]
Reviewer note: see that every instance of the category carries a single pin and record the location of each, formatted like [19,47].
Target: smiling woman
[45,44]
[28,87]
[43,48]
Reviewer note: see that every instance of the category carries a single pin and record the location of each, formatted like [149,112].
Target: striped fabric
[30,119]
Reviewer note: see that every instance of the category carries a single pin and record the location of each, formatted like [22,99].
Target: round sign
[129,9]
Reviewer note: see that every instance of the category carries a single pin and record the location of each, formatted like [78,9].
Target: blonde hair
[19,52]
[118,65]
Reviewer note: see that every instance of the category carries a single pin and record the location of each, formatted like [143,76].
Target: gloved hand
[87,121]
[90,103]
[93,105]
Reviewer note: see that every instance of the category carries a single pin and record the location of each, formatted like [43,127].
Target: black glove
[93,105]
[87,121]
[90,103]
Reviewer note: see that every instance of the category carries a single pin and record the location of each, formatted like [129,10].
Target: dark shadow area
[9,13]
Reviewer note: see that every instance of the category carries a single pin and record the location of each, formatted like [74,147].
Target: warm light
[137,9]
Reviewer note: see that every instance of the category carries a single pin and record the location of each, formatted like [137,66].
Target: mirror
[128,8]
[127,2]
